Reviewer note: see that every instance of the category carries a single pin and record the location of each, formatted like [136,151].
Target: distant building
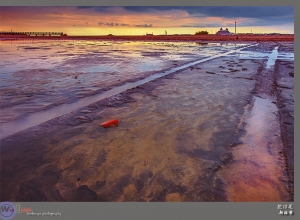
[274,34]
[223,32]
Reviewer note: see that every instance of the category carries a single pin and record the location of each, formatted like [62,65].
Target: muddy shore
[206,38]
[180,138]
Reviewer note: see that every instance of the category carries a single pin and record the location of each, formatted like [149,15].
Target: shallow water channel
[256,172]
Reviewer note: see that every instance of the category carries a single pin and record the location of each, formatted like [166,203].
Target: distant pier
[32,33]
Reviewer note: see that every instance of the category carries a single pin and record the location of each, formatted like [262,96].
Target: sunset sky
[141,20]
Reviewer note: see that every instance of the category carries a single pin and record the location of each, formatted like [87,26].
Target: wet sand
[209,37]
[188,136]
[71,70]
[255,170]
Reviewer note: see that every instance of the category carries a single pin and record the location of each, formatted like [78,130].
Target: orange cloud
[74,20]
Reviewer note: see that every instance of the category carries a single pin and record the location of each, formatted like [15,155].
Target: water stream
[255,175]
[272,58]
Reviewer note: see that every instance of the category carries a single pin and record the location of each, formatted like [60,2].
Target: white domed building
[223,32]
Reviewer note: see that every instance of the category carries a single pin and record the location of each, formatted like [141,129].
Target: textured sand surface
[210,132]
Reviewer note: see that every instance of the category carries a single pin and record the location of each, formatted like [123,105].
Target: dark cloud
[267,13]
[255,15]
[109,24]
[261,22]
[84,7]
[149,8]
[96,8]
[143,25]
[81,25]
[123,25]
[226,11]
[218,25]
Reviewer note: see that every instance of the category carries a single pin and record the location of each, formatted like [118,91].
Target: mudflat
[221,130]
[238,38]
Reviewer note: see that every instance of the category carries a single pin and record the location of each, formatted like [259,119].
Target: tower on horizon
[235,27]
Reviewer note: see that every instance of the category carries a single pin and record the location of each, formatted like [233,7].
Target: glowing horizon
[88,21]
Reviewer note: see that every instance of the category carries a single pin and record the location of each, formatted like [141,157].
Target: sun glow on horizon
[121,21]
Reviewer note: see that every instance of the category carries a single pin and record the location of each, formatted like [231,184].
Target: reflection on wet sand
[181,137]
[34,79]
[173,135]
[256,174]
[56,111]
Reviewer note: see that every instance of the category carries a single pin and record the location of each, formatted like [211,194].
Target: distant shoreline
[195,38]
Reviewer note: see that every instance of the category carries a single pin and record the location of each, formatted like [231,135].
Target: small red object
[110,123]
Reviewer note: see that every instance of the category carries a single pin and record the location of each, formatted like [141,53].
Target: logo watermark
[285,209]
[7,210]
[19,208]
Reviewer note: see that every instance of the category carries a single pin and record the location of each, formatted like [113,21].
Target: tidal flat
[218,126]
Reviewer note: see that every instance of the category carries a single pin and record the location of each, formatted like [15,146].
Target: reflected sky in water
[41,74]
